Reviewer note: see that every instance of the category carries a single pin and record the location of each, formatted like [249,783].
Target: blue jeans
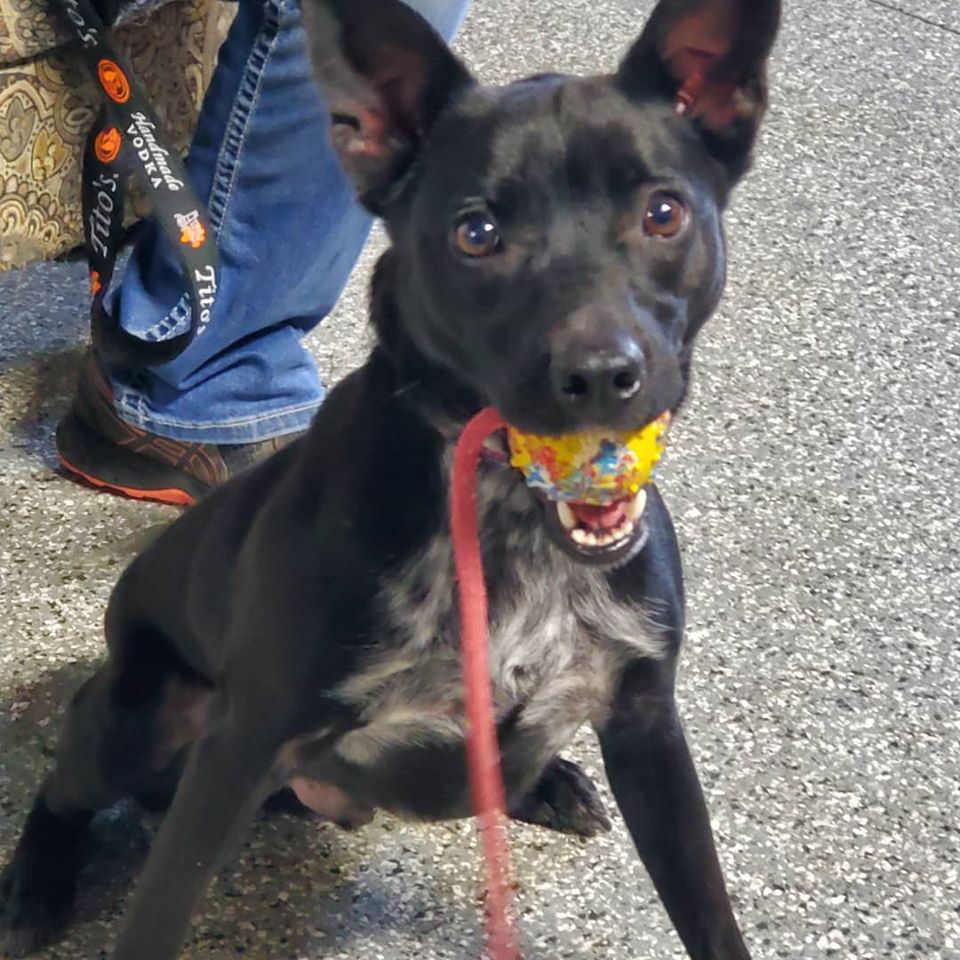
[289,232]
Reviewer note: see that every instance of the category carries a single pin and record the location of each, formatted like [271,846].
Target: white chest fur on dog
[557,637]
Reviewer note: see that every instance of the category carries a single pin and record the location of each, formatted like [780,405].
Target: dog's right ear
[386,76]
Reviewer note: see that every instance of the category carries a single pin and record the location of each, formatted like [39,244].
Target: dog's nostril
[604,377]
[576,386]
[626,383]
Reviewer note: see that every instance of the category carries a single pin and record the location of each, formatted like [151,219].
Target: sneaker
[96,447]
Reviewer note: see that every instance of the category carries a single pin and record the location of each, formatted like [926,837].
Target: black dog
[556,246]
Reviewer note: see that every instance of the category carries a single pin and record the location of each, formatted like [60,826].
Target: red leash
[483,755]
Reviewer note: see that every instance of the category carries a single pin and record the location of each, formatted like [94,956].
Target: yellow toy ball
[592,467]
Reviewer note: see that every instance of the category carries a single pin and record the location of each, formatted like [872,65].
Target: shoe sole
[86,456]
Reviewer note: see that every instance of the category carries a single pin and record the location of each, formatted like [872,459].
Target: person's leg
[289,232]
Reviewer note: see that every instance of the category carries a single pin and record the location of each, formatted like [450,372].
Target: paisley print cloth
[47,104]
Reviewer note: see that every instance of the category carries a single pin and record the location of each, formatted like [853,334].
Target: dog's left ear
[386,76]
[709,59]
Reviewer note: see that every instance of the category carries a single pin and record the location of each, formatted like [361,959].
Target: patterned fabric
[27,29]
[47,105]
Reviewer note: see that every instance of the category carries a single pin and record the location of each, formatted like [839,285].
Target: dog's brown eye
[477,235]
[665,215]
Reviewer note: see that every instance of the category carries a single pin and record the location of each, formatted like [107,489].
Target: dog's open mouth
[610,533]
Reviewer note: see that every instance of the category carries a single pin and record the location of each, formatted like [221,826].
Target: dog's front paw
[564,799]
[34,907]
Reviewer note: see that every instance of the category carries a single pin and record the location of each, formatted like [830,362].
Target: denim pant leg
[289,232]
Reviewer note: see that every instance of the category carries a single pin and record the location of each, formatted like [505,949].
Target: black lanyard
[125,138]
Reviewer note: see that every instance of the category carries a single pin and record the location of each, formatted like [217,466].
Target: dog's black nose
[603,378]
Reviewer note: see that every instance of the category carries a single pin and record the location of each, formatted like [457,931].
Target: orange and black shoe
[96,447]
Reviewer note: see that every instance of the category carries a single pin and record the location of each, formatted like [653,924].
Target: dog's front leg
[218,793]
[657,788]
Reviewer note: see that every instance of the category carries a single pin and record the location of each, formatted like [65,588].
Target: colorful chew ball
[593,467]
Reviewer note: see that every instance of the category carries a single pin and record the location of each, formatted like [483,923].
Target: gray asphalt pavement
[814,479]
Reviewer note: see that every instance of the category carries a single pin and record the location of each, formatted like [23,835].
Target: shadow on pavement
[285,892]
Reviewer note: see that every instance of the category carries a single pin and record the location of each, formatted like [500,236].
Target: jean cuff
[267,424]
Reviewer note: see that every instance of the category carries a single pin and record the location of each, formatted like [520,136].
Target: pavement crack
[915,16]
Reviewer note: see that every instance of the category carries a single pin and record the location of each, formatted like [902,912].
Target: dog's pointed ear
[709,59]
[386,76]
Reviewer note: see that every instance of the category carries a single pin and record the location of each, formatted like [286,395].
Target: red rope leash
[483,756]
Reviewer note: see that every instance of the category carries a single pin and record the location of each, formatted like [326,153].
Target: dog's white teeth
[623,530]
[585,537]
[566,515]
[634,509]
